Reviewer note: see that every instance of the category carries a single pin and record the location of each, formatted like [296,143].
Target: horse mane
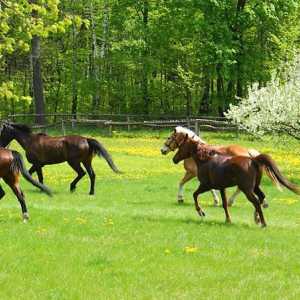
[191,134]
[205,153]
[21,127]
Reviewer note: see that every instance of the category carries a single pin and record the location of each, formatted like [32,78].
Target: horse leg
[91,173]
[201,189]
[261,196]
[224,203]
[187,177]
[215,196]
[256,203]
[40,174]
[2,193]
[32,170]
[13,182]
[78,169]
[232,198]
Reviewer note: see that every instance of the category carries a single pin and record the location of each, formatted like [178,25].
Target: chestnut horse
[11,165]
[189,164]
[217,171]
[42,150]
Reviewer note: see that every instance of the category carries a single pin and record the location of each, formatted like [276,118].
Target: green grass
[133,241]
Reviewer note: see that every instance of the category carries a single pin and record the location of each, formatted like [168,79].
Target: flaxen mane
[191,134]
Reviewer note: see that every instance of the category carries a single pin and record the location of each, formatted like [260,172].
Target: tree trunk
[220,90]
[94,62]
[37,81]
[74,69]
[145,90]
[188,101]
[204,104]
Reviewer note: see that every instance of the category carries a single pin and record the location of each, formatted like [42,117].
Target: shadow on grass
[200,222]
[216,223]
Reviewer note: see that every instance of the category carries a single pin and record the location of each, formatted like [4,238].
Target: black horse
[42,150]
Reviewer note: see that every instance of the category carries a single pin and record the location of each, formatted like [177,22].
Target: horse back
[233,150]
[52,150]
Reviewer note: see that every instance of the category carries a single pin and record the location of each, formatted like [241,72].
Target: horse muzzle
[175,160]
[164,150]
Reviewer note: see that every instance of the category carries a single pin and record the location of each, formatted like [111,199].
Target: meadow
[133,241]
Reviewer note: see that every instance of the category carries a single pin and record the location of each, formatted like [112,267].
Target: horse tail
[98,148]
[274,174]
[17,165]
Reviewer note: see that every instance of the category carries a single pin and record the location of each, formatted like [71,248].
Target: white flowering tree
[274,108]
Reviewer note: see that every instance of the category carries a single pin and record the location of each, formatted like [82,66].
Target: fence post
[188,122]
[128,125]
[197,127]
[110,129]
[237,131]
[63,127]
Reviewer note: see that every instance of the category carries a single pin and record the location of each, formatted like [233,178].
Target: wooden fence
[130,122]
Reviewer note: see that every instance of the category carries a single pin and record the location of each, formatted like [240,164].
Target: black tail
[17,165]
[274,173]
[99,149]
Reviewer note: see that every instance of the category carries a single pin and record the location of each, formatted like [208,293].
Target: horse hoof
[180,201]
[265,205]
[25,217]
[263,225]
[201,214]
[216,204]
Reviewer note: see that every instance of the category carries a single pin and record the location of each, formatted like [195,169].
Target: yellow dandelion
[108,221]
[190,249]
[41,230]
[81,220]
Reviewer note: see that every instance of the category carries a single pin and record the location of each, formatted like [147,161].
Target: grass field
[133,241]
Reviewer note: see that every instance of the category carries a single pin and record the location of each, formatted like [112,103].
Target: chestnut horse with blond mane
[217,171]
[175,139]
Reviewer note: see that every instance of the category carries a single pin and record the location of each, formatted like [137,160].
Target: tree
[274,108]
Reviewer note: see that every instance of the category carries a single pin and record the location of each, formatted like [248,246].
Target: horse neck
[192,147]
[23,138]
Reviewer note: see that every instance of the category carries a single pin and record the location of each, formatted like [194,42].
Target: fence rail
[113,121]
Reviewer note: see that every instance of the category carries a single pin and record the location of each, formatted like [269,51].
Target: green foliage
[121,56]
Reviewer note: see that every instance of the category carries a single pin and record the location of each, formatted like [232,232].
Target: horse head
[176,138]
[185,149]
[6,134]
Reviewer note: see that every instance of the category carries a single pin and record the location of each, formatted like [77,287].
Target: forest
[145,57]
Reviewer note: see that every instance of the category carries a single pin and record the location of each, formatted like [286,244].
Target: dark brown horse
[11,165]
[42,150]
[220,172]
